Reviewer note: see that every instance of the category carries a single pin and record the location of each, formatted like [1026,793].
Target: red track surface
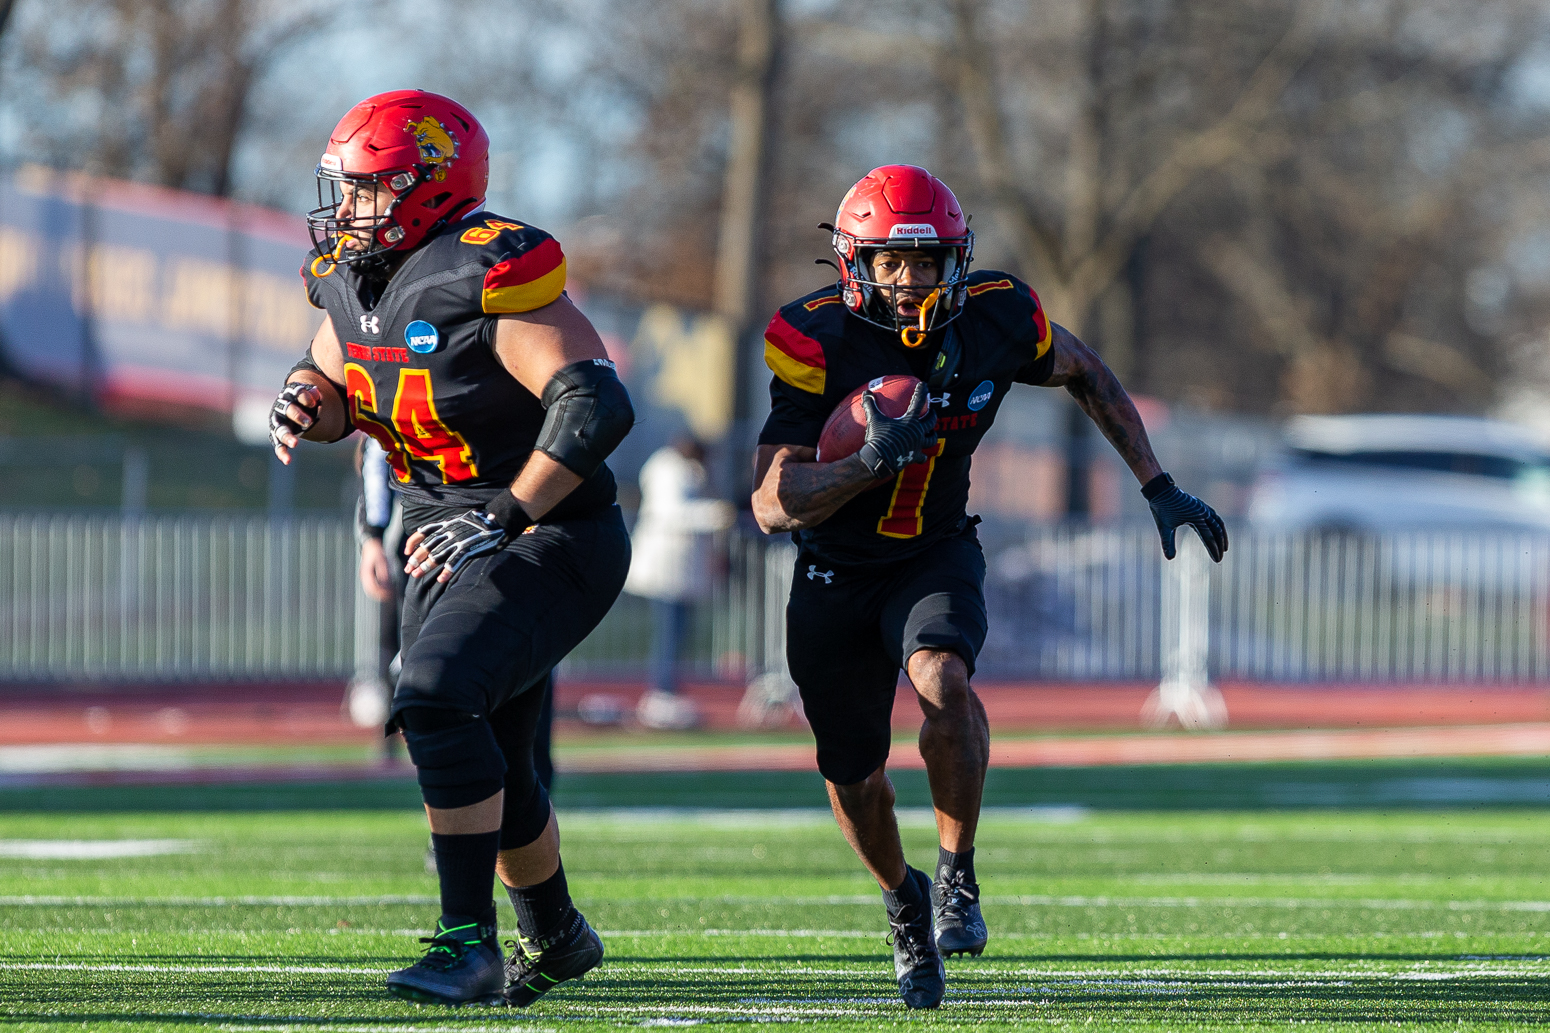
[311,713]
[1268,722]
[1102,750]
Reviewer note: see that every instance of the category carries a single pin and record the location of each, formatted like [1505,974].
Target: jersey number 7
[909,497]
[416,431]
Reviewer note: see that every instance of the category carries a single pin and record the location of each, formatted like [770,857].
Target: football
[844,432]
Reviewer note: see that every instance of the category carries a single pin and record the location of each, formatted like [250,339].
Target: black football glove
[280,417]
[1172,509]
[456,541]
[893,444]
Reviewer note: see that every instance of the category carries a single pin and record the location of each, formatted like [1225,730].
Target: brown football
[844,432]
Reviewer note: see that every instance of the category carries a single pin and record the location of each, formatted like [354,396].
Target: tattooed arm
[1097,390]
[794,491]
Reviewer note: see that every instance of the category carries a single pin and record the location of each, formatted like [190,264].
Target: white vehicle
[1356,474]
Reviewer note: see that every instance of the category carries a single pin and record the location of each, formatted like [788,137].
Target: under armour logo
[369,325]
[813,572]
[941,400]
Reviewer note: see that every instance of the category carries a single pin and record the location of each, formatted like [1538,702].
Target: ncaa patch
[981,395]
[421,337]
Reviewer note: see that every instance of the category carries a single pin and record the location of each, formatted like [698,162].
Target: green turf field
[1165,919]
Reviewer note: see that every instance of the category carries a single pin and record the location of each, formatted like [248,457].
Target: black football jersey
[820,352]
[421,373]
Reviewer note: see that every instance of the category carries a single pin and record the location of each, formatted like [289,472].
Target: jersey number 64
[416,430]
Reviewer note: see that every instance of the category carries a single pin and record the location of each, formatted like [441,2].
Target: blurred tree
[156,90]
[1257,205]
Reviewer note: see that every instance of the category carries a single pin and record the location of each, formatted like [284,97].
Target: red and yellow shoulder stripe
[990,285]
[794,357]
[530,280]
[1041,326]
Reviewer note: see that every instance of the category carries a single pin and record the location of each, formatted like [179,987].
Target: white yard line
[93,849]
[96,966]
[838,900]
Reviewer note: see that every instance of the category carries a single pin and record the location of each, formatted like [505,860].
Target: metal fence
[174,598]
[1434,606]
[179,598]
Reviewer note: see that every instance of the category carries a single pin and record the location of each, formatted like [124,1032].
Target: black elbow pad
[588,413]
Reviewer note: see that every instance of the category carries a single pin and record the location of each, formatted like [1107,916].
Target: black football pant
[850,629]
[477,648]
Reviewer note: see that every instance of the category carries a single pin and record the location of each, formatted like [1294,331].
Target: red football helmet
[431,153]
[902,207]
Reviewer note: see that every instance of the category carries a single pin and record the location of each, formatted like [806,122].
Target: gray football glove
[454,542]
[280,417]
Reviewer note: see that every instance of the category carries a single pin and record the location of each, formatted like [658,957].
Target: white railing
[189,598]
[1434,606]
[167,598]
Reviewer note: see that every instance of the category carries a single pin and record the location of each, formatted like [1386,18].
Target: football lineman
[449,339]
[890,574]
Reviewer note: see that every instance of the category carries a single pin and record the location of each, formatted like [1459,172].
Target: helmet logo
[332,162]
[437,146]
[912,229]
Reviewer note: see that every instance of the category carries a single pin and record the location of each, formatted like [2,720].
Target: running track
[1034,725]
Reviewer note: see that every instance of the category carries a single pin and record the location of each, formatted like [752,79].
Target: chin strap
[945,369]
[915,337]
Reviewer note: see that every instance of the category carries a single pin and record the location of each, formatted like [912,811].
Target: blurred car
[1359,474]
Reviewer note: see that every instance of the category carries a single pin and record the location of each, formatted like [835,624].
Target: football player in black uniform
[450,341]
[890,574]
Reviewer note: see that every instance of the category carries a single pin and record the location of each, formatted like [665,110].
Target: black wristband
[1156,486]
[508,512]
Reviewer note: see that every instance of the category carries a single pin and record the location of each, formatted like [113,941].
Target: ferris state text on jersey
[820,352]
[421,373]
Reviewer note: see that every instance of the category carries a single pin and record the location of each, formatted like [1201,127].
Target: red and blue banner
[143,298]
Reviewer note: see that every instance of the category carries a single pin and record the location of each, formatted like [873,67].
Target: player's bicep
[326,352]
[1066,361]
[534,346]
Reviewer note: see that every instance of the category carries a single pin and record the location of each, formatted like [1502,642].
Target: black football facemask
[938,305]
[379,231]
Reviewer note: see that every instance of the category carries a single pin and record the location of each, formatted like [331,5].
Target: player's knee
[455,755]
[865,793]
[524,817]
[941,680]
[851,763]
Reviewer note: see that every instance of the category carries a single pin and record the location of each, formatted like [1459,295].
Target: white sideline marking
[802,817]
[1371,903]
[1051,900]
[93,966]
[93,849]
[93,757]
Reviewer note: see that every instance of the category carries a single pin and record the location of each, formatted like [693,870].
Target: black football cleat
[916,961]
[537,966]
[461,966]
[955,913]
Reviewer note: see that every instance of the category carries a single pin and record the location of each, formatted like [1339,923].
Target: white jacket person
[671,544]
